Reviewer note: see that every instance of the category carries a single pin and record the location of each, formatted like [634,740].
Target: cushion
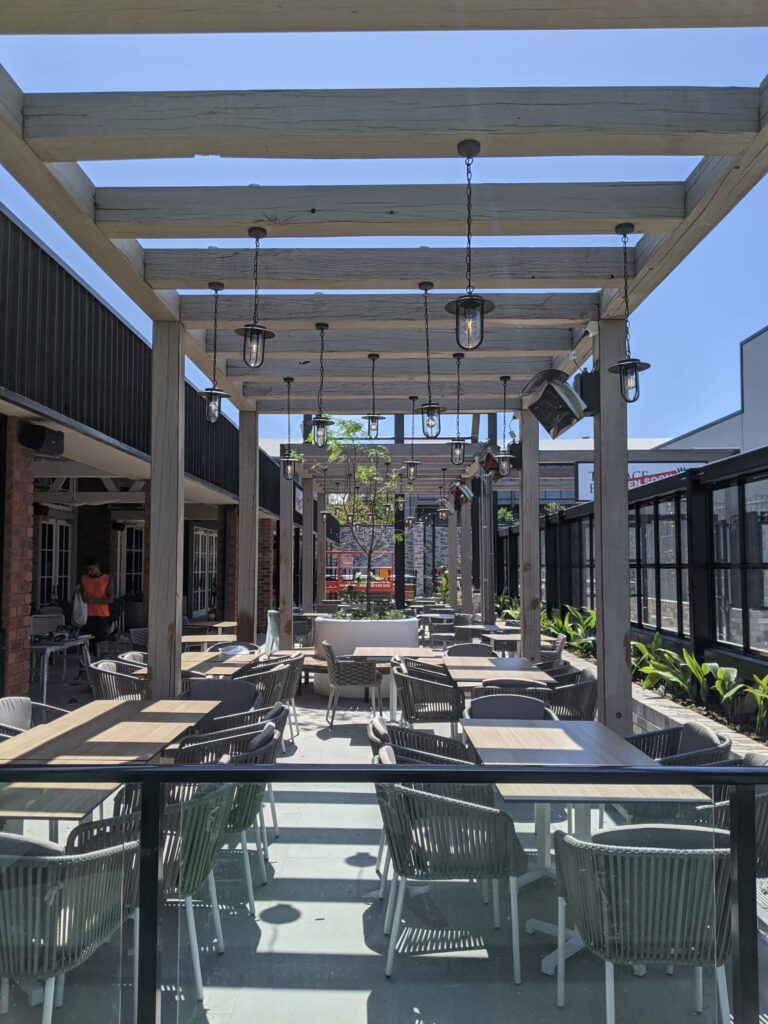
[233,649]
[261,739]
[23,846]
[697,736]
[235,695]
[508,705]
[16,711]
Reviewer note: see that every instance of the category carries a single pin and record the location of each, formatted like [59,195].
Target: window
[726,531]
[658,554]
[582,563]
[204,544]
[54,561]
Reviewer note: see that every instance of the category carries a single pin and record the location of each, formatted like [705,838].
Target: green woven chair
[427,700]
[350,672]
[56,910]
[295,663]
[119,680]
[648,894]
[574,703]
[382,733]
[18,714]
[691,744]
[134,657]
[434,838]
[471,651]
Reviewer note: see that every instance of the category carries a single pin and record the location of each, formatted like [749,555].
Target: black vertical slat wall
[64,350]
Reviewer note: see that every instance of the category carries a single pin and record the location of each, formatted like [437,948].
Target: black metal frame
[741,783]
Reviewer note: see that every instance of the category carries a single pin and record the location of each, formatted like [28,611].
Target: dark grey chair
[693,743]
[471,651]
[510,705]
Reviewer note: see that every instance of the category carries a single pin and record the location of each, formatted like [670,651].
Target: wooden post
[286,563]
[308,546]
[612,537]
[166,526]
[487,522]
[248,528]
[453,565]
[466,557]
[530,551]
[320,547]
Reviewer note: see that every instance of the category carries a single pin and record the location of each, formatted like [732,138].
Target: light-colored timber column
[166,525]
[286,563]
[487,550]
[320,547]
[308,547]
[453,564]
[466,557]
[612,537]
[248,528]
[530,550]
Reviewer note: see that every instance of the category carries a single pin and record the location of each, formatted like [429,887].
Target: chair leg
[722,995]
[215,911]
[396,925]
[384,872]
[515,915]
[496,907]
[610,994]
[194,947]
[390,912]
[136,965]
[247,869]
[273,808]
[698,992]
[380,854]
[263,834]
[48,999]
[5,994]
[484,887]
[561,951]
[58,992]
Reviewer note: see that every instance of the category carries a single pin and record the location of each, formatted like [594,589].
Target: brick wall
[265,594]
[227,562]
[18,553]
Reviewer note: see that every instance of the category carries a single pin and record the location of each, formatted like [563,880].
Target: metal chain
[322,374]
[288,408]
[215,333]
[458,395]
[373,387]
[257,243]
[624,242]
[470,286]
[413,424]
[426,340]
[504,423]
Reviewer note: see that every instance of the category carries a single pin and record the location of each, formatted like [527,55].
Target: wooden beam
[466,557]
[714,187]
[390,370]
[391,312]
[612,538]
[385,123]
[344,210]
[285,573]
[530,545]
[453,563]
[166,517]
[320,548]
[248,527]
[104,17]
[384,269]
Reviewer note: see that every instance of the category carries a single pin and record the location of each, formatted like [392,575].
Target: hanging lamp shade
[288,461]
[430,410]
[430,420]
[411,465]
[372,418]
[457,442]
[255,334]
[628,368]
[503,461]
[320,422]
[213,394]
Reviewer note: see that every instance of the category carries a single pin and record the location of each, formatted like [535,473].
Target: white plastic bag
[79,610]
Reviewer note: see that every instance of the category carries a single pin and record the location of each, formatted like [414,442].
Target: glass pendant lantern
[373,419]
[320,422]
[469,309]
[255,334]
[628,368]
[430,410]
[411,465]
[288,461]
[503,461]
[213,394]
[457,443]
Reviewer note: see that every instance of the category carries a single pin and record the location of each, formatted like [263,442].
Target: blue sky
[689,329]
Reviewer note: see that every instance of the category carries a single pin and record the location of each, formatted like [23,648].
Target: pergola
[540,326]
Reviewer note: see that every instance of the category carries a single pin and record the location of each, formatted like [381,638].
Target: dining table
[216,663]
[204,640]
[566,745]
[469,672]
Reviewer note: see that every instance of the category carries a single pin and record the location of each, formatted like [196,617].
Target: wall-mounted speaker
[41,439]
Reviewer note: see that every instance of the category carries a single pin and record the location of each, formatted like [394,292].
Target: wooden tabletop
[469,673]
[214,663]
[379,653]
[107,732]
[60,801]
[567,744]
[208,638]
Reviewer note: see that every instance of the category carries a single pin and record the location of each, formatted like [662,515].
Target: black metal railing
[739,783]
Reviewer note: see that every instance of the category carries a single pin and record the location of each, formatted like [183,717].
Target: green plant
[644,655]
[580,628]
[506,517]
[760,693]
[668,672]
[507,607]
[723,682]
[553,508]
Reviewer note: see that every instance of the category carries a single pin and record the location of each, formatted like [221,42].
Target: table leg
[392,698]
[44,677]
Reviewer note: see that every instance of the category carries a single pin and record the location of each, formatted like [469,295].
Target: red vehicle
[345,569]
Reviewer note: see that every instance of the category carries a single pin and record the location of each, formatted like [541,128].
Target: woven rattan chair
[554,646]
[134,657]
[433,838]
[426,670]
[18,714]
[233,695]
[112,649]
[471,651]
[118,680]
[235,647]
[295,663]
[426,700]
[57,909]
[509,705]
[139,638]
[690,744]
[350,672]
[563,676]
[575,703]
[382,733]
[538,690]
[648,894]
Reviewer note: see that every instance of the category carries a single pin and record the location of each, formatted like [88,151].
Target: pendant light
[430,411]
[321,423]
[628,368]
[399,502]
[457,443]
[254,334]
[373,419]
[469,309]
[504,463]
[288,461]
[411,465]
[325,511]
[214,394]
[442,511]
[410,521]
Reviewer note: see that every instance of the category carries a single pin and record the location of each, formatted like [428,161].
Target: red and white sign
[640,473]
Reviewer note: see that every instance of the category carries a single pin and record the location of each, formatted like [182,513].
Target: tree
[366,503]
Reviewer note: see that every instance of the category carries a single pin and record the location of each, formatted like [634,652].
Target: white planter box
[344,635]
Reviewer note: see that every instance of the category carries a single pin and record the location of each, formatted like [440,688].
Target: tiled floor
[315,953]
